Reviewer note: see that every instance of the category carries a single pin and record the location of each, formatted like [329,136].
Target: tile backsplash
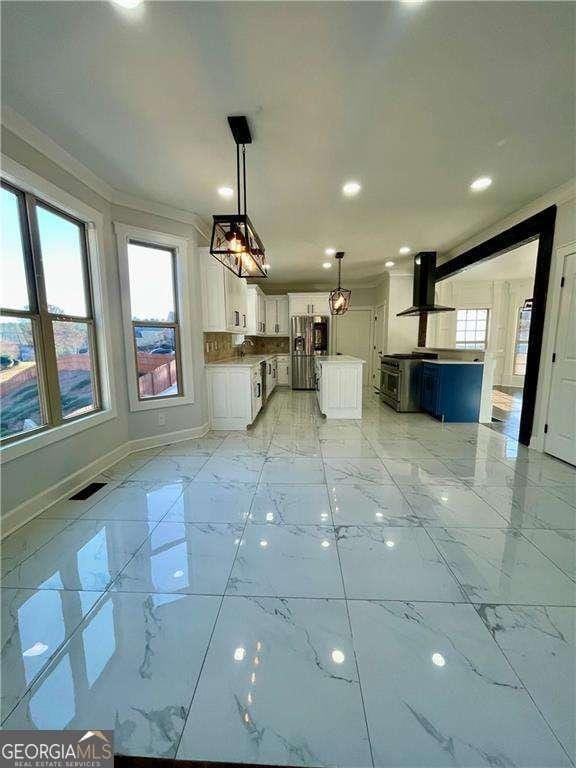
[220,346]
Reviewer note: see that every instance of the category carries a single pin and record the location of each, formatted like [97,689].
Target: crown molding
[41,142]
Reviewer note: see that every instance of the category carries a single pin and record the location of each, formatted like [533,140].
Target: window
[471,328]
[48,360]
[156,305]
[154,314]
[522,336]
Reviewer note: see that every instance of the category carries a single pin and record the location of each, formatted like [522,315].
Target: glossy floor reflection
[389,591]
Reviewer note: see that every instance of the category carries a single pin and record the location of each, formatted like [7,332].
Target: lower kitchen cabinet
[339,386]
[283,367]
[234,395]
[451,391]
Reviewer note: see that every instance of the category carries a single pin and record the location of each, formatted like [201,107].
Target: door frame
[371,340]
[540,226]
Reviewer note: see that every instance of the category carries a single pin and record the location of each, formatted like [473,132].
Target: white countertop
[454,362]
[248,361]
[339,359]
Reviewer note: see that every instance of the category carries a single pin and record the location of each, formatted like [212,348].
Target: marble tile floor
[389,591]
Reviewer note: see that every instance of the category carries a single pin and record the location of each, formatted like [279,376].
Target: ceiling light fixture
[339,299]
[481,183]
[235,242]
[327,265]
[405,250]
[330,251]
[351,188]
[129,4]
[389,263]
[226,192]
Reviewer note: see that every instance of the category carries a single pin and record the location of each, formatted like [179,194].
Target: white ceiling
[516,264]
[415,101]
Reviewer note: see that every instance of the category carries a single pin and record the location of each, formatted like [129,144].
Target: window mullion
[47,346]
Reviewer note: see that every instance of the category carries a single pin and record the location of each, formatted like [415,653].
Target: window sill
[158,403]
[36,442]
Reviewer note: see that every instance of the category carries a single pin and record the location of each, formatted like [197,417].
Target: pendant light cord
[238,176]
[244,174]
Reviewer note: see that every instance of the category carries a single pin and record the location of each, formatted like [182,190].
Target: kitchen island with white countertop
[339,386]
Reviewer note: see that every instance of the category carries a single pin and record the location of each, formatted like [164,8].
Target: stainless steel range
[400,380]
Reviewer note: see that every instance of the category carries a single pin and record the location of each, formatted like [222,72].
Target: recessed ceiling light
[330,251]
[130,4]
[389,264]
[226,192]
[405,250]
[481,183]
[338,656]
[327,264]
[351,188]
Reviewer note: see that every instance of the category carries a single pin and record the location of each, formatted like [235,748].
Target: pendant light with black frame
[235,242]
[339,299]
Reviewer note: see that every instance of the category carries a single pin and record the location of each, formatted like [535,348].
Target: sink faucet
[242,351]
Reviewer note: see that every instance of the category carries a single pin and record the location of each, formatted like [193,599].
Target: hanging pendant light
[235,242]
[339,299]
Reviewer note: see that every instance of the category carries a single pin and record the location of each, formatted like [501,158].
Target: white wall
[402,332]
[503,298]
[35,473]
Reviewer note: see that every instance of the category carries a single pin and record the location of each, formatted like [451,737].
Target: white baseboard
[31,508]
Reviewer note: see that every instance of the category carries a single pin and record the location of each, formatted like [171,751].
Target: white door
[378,346]
[561,437]
[354,336]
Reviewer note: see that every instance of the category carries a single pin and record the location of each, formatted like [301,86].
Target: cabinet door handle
[258,395]
[236,318]
[244,320]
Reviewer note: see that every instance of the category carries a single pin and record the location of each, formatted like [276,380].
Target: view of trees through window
[47,358]
[522,336]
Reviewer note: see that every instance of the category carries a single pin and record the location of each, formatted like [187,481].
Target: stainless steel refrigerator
[308,339]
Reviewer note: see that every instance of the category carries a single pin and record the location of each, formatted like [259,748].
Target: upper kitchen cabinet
[277,323]
[224,297]
[256,310]
[308,304]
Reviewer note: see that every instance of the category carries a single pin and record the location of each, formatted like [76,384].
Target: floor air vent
[85,493]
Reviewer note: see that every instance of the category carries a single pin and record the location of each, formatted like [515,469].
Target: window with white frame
[471,328]
[521,338]
[48,348]
[154,276]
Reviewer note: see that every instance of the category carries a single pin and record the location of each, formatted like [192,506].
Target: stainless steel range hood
[424,282]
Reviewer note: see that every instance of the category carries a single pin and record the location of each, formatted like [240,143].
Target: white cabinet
[224,297]
[234,396]
[256,311]
[277,322]
[339,389]
[283,363]
[308,304]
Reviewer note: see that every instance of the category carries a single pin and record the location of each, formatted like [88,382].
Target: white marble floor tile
[137,500]
[86,555]
[226,502]
[200,446]
[329,429]
[501,566]
[393,563]
[347,448]
[171,468]
[418,471]
[225,469]
[131,667]
[74,508]
[354,471]
[191,558]
[14,549]
[287,561]
[486,471]
[438,691]
[286,446]
[35,623]
[549,472]
[126,467]
[370,504]
[563,491]
[540,645]
[529,507]
[291,504]
[451,505]
[297,471]
[243,445]
[390,448]
[448,449]
[559,546]
[279,687]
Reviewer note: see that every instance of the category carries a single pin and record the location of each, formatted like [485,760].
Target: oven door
[390,379]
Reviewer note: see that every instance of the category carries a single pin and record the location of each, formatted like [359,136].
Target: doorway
[540,228]
[353,336]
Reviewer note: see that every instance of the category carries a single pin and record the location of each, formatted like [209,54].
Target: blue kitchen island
[451,390]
